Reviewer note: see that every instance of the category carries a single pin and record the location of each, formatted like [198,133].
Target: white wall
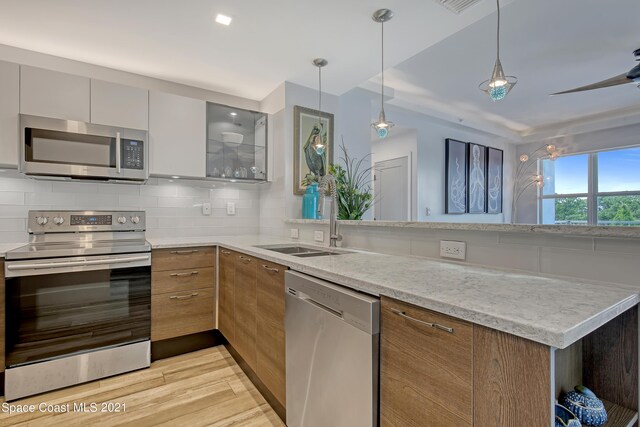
[273,205]
[430,160]
[173,207]
[401,143]
[567,144]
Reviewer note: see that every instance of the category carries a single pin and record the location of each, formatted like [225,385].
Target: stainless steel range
[78,300]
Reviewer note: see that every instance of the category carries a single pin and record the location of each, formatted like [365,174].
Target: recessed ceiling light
[175,177]
[233,113]
[223,19]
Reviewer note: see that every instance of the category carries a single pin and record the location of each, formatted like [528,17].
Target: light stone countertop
[549,310]
[562,230]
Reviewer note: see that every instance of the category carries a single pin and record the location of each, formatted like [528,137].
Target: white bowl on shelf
[236,138]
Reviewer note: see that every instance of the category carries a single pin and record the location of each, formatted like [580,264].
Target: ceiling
[267,43]
[549,45]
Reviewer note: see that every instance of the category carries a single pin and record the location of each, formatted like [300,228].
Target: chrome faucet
[328,181]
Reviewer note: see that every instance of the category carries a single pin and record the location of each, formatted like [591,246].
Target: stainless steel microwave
[55,148]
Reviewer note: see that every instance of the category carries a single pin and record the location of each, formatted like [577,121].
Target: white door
[177,135]
[9,107]
[114,104]
[392,190]
[54,94]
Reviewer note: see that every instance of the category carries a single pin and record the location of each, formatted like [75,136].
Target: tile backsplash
[593,258]
[173,207]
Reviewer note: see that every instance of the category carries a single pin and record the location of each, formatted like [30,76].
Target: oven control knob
[122,220]
[135,219]
[58,220]
[42,220]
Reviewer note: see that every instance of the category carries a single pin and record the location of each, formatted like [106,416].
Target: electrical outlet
[231,208]
[318,236]
[206,209]
[451,249]
[294,233]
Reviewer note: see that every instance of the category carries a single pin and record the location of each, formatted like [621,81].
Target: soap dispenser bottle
[310,202]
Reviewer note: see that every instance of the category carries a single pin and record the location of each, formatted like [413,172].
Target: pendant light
[318,142]
[499,85]
[382,126]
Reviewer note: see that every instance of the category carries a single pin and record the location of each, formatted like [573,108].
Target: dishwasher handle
[322,307]
[306,298]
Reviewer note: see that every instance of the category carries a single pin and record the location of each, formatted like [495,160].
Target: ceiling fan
[632,76]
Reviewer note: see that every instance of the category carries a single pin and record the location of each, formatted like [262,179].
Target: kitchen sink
[302,251]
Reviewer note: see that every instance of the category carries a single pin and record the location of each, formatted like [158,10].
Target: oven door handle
[118,148]
[82,263]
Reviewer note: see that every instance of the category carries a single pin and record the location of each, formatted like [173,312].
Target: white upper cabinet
[9,108]
[53,94]
[118,105]
[177,135]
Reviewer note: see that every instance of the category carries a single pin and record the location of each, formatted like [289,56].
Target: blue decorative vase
[586,405]
[310,202]
[565,418]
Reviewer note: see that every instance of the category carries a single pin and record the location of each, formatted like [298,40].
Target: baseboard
[186,344]
[264,391]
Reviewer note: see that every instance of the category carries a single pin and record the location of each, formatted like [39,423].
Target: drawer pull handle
[192,273]
[225,252]
[191,251]
[431,325]
[244,258]
[271,269]
[195,294]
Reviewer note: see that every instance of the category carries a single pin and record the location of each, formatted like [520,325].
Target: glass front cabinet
[236,144]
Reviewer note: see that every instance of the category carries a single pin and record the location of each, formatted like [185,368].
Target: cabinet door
[426,373]
[177,135]
[53,94]
[270,333]
[2,310]
[226,293]
[245,309]
[113,104]
[9,108]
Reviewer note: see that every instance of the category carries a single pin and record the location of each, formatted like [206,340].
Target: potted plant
[353,186]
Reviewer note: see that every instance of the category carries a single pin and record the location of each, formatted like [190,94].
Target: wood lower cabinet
[426,372]
[245,306]
[270,340]
[2,315]
[226,293]
[182,292]
[251,310]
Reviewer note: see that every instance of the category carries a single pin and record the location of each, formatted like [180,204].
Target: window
[600,188]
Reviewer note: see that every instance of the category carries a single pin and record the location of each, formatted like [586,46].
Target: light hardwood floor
[203,388]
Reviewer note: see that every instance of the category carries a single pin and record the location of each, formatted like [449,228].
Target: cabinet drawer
[181,258]
[426,371]
[182,313]
[182,280]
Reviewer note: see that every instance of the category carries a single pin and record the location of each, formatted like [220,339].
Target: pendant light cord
[319,97]
[498,32]
[382,66]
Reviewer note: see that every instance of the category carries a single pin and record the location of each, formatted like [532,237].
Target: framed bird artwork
[312,146]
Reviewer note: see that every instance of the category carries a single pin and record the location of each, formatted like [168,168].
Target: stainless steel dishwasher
[332,341]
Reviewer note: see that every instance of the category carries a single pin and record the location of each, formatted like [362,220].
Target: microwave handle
[118,168]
